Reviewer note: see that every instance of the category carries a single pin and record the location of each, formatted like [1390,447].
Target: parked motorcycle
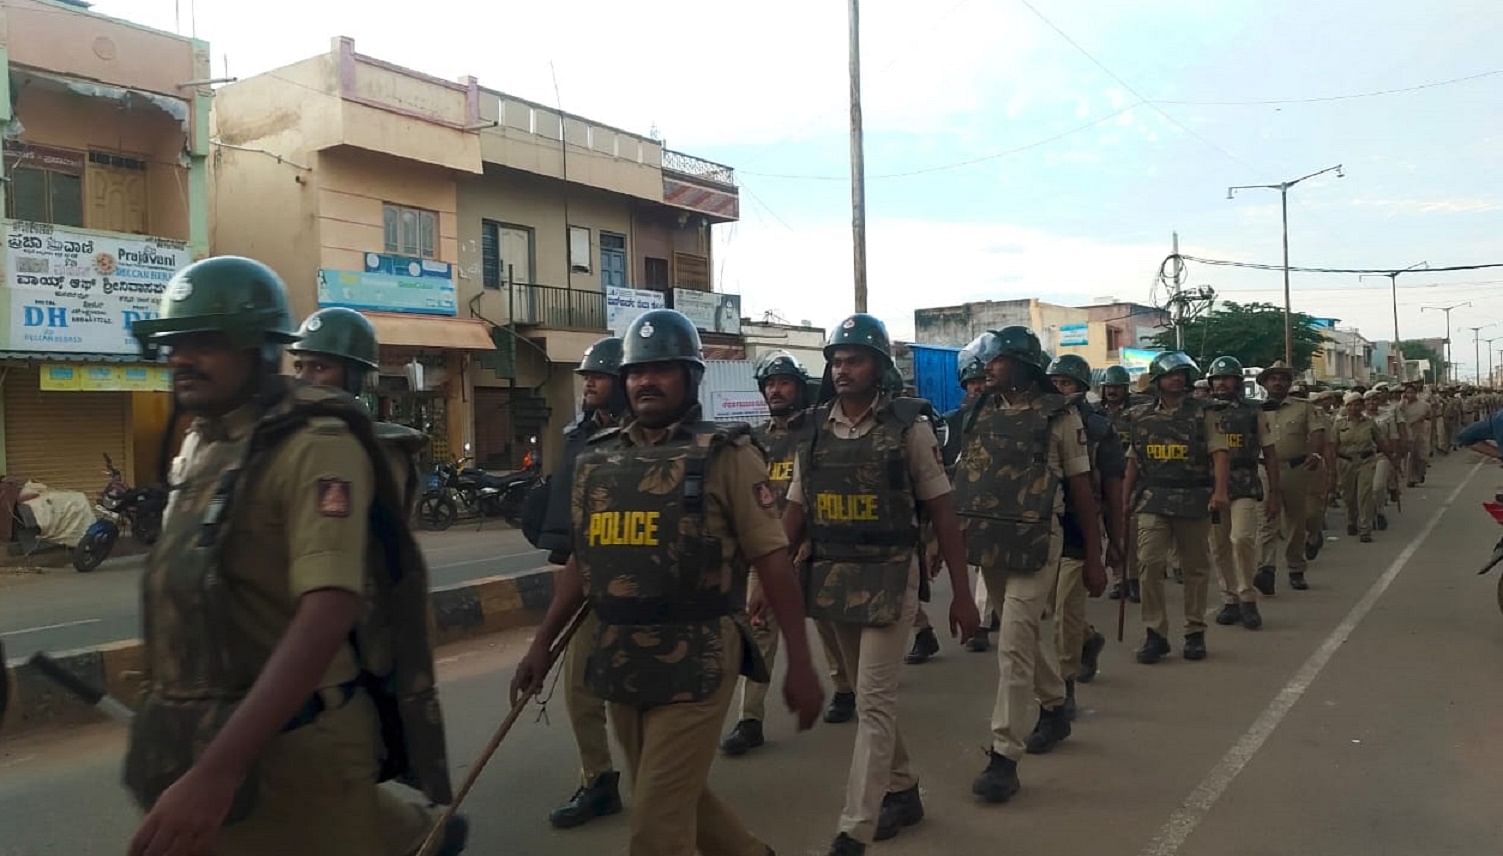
[500,496]
[438,508]
[137,510]
[1495,508]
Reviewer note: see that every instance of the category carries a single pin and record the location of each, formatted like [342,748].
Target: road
[1361,720]
[58,609]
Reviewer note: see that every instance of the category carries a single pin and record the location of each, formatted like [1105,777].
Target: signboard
[56,377]
[391,284]
[710,311]
[19,154]
[1074,334]
[1136,360]
[623,305]
[737,407]
[75,290]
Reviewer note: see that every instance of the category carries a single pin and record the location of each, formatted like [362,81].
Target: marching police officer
[604,404]
[1416,412]
[1177,477]
[1385,469]
[1116,404]
[1024,448]
[785,386]
[1358,443]
[273,678]
[873,464]
[1298,438]
[972,376]
[1234,538]
[668,512]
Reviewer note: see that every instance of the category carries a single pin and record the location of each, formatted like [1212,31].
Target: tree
[1252,332]
[1416,350]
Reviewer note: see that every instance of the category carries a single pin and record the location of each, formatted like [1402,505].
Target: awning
[125,96]
[426,331]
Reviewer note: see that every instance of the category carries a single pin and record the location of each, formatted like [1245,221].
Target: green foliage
[1416,350]
[1252,332]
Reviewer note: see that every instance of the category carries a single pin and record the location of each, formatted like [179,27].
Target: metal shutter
[59,438]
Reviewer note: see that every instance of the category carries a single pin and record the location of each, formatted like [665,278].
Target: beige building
[106,141]
[805,342]
[479,232]
[958,325]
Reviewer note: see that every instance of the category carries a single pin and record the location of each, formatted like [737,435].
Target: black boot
[1297,579]
[999,781]
[842,708]
[1090,656]
[1116,591]
[844,845]
[925,645]
[746,736]
[1179,576]
[1381,521]
[1134,591]
[1051,730]
[899,809]
[1195,646]
[1230,614]
[1351,529]
[978,643]
[1251,618]
[1068,708]
[1365,538]
[1153,650]
[1313,545]
[456,836]
[597,799]
[1265,579]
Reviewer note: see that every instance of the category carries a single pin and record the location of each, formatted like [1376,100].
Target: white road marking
[1173,834]
[79,623]
[483,561]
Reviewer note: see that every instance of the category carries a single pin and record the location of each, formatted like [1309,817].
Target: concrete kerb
[455,612]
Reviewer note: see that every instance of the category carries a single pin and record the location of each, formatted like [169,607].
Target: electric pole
[1393,284]
[1179,309]
[1283,189]
[1445,369]
[1490,358]
[858,161]
[1477,352]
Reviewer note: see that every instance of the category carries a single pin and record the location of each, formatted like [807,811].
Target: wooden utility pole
[858,161]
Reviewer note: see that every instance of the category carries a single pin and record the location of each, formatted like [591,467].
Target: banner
[1136,360]
[76,290]
[1074,334]
[710,311]
[737,407]
[57,377]
[623,305]
[391,284]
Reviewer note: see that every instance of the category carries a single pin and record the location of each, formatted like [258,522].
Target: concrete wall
[805,343]
[62,38]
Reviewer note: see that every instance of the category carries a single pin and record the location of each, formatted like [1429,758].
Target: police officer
[873,464]
[1177,477]
[604,404]
[668,511]
[1024,447]
[1385,471]
[1234,537]
[1322,481]
[1299,440]
[785,387]
[972,376]
[278,691]
[1416,412]
[1077,643]
[1116,404]
[1358,443]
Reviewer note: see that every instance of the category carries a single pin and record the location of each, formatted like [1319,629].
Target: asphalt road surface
[60,609]
[1361,720]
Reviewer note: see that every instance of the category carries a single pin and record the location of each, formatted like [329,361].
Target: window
[410,231]
[692,271]
[1113,338]
[46,184]
[579,249]
[656,273]
[505,250]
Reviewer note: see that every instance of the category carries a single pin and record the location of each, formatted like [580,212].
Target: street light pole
[1477,351]
[1445,369]
[1489,358]
[1393,284]
[1283,189]
[858,160]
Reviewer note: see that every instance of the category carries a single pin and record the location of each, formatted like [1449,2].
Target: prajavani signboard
[623,305]
[79,290]
[710,311]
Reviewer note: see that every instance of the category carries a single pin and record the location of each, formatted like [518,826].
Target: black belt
[1296,460]
[1362,457]
[314,707]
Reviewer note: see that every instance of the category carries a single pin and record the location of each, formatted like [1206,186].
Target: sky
[1014,148]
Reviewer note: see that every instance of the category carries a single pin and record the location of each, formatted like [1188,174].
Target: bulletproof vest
[782,449]
[657,581]
[1098,426]
[954,438]
[402,446]
[1239,422]
[1005,490]
[211,670]
[861,516]
[1174,460]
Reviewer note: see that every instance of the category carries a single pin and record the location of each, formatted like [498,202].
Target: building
[1345,358]
[803,341]
[106,140]
[1098,333]
[1112,326]
[491,240]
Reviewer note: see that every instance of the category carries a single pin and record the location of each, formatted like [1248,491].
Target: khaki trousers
[1292,523]
[984,604]
[1357,495]
[879,761]
[754,695]
[1067,607]
[1419,453]
[1384,480]
[1190,538]
[1316,502]
[318,795]
[669,750]
[1130,539]
[1234,550]
[1027,664]
[586,710]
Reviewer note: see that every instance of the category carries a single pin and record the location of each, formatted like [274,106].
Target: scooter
[1495,508]
[138,510]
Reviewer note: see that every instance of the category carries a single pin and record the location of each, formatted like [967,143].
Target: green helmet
[1073,367]
[339,332]
[864,331]
[1172,361]
[972,369]
[1116,376]
[1225,367]
[779,364]
[1015,342]
[661,336]
[603,357]
[239,297]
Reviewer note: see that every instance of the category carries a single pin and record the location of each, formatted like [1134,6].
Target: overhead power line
[1324,98]
[1383,271]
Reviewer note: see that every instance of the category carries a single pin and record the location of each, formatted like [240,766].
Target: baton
[78,687]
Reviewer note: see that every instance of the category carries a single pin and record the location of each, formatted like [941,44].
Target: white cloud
[1428,206]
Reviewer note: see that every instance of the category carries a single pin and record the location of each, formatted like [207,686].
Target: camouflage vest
[782,449]
[861,516]
[657,581]
[1005,490]
[402,446]
[186,622]
[1239,422]
[1174,460]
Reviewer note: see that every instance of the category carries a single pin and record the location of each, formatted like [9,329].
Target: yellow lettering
[846,508]
[1234,441]
[1168,452]
[623,529]
[780,471]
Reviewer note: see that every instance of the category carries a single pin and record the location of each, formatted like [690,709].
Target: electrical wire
[1325,98]
[1293,269]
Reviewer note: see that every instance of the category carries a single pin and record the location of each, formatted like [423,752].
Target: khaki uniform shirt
[1356,437]
[298,526]
[1417,414]
[1290,425]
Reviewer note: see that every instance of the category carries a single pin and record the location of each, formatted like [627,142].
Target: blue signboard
[1073,334]
[391,284]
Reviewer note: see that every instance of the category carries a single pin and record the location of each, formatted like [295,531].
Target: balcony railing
[699,168]
[558,308]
